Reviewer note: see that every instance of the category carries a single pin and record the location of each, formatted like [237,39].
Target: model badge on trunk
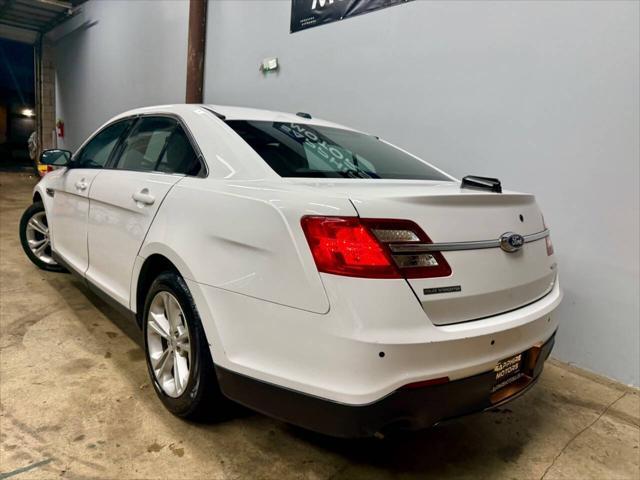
[511,242]
[451,289]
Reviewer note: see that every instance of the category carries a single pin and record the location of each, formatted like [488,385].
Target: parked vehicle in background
[32,145]
[307,270]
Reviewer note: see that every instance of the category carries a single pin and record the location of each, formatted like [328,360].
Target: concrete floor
[75,402]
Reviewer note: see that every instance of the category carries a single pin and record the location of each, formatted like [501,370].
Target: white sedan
[302,268]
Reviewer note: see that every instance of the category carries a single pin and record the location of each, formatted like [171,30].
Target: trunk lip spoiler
[454,246]
[477,182]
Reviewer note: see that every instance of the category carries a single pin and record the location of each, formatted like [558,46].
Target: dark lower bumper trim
[403,409]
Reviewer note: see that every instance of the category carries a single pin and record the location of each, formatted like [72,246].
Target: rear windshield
[299,150]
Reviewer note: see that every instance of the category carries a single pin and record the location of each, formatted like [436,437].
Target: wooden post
[195,51]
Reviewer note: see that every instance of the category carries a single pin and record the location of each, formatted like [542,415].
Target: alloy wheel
[37,233]
[169,344]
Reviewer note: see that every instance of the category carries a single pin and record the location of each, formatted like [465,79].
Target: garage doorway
[27,76]
[17,105]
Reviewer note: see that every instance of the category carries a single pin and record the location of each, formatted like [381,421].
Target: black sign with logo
[312,13]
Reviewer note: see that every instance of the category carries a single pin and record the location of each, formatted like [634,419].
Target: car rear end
[441,297]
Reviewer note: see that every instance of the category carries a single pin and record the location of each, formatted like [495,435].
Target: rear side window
[300,150]
[143,148]
[96,153]
[179,157]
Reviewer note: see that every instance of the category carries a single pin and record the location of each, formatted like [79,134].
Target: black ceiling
[36,15]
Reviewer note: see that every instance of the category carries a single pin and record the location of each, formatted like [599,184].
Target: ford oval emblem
[511,242]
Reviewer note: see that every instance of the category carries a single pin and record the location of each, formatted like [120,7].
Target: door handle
[143,196]
[81,185]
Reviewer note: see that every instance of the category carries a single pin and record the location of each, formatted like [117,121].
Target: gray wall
[542,94]
[117,55]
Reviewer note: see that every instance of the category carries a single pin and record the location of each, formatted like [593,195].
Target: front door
[125,199]
[69,213]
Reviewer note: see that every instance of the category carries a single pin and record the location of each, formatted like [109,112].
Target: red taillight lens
[365,248]
[549,246]
[343,246]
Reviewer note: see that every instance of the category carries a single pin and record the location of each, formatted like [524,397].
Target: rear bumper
[375,339]
[402,409]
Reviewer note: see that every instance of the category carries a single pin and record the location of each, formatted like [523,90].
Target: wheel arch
[39,195]
[153,266]
[150,263]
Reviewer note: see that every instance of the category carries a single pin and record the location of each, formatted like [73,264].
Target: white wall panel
[117,55]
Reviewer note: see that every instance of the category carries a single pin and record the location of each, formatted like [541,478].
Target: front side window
[301,150]
[95,154]
[144,146]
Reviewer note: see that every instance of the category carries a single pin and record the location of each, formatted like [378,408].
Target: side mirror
[58,158]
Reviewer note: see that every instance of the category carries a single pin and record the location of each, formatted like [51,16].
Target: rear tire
[177,352]
[35,240]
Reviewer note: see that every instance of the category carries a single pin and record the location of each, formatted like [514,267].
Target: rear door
[125,198]
[69,213]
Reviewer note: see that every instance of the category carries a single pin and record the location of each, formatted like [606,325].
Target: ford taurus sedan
[307,270]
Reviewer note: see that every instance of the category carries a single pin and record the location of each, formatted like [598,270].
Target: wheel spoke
[36,243]
[176,374]
[37,226]
[158,326]
[183,342]
[160,364]
[183,338]
[180,372]
[174,314]
[38,251]
[166,305]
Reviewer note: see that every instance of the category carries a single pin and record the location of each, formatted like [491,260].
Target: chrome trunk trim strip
[453,246]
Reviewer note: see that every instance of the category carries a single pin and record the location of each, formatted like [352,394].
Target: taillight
[549,245]
[342,245]
[44,169]
[372,248]
[547,239]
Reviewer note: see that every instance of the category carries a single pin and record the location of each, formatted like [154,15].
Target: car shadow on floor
[126,325]
[453,448]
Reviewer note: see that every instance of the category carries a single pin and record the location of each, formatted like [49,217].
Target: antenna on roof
[303,115]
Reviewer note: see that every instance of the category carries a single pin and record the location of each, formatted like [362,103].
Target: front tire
[35,240]
[177,352]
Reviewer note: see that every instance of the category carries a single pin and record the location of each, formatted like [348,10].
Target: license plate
[507,371]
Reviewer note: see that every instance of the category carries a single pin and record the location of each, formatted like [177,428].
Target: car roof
[238,113]
[246,113]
